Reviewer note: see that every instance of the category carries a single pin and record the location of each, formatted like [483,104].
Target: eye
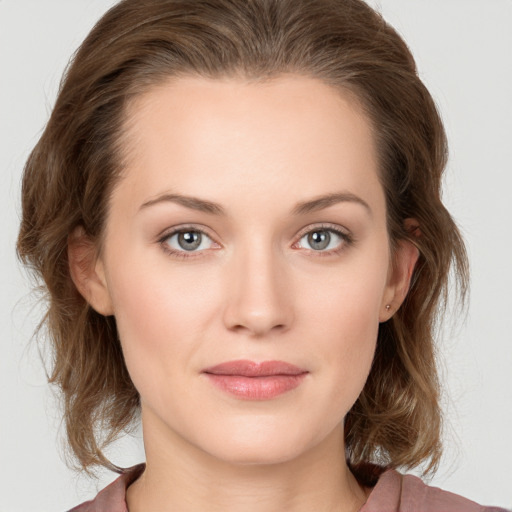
[186,240]
[324,240]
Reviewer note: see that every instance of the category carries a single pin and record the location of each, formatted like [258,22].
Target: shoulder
[113,497]
[395,492]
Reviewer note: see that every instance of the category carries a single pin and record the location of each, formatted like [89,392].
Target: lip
[255,381]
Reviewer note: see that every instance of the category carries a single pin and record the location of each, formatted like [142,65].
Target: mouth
[255,381]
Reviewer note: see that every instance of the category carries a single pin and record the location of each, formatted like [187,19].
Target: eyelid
[180,228]
[323,225]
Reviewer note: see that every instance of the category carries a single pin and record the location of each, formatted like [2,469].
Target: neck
[180,476]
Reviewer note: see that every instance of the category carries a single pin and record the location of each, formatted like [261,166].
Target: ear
[400,273]
[87,271]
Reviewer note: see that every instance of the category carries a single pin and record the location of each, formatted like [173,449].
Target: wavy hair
[72,170]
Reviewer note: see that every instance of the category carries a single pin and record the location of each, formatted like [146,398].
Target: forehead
[208,136]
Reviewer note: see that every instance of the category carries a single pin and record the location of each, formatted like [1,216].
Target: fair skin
[260,285]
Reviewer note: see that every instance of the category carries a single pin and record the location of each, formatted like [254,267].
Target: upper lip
[253,369]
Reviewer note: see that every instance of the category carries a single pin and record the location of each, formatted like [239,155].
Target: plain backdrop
[464,54]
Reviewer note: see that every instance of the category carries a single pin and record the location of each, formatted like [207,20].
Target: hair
[68,178]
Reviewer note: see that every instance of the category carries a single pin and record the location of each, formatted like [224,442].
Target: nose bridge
[258,299]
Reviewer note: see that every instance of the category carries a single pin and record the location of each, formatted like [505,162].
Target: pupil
[319,239]
[189,240]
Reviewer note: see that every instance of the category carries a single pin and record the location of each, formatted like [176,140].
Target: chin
[260,455]
[259,444]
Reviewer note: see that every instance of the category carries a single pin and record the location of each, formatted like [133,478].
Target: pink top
[393,492]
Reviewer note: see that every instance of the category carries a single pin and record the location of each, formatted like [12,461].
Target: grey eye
[319,240]
[188,241]
[322,239]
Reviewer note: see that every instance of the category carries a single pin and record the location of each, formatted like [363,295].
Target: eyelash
[346,241]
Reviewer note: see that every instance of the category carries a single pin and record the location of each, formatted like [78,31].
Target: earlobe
[87,271]
[399,281]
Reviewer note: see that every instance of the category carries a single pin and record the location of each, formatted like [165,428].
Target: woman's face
[249,227]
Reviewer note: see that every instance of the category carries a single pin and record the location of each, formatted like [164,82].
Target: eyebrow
[321,202]
[302,208]
[194,203]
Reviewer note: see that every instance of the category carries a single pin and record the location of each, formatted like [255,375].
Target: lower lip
[256,388]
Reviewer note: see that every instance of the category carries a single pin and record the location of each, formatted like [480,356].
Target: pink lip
[256,381]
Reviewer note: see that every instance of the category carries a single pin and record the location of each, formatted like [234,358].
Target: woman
[236,211]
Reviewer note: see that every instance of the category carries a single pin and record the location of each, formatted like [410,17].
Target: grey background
[464,52]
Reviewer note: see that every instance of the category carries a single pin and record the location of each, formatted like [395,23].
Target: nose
[258,296]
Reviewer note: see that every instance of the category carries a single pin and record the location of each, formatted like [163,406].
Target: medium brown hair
[68,178]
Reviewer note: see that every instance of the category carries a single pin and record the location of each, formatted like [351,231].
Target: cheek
[347,299]
[160,316]
[342,316]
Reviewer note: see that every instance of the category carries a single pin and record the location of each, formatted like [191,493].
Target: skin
[255,289]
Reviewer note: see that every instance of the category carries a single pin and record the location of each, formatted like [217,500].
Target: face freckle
[254,169]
